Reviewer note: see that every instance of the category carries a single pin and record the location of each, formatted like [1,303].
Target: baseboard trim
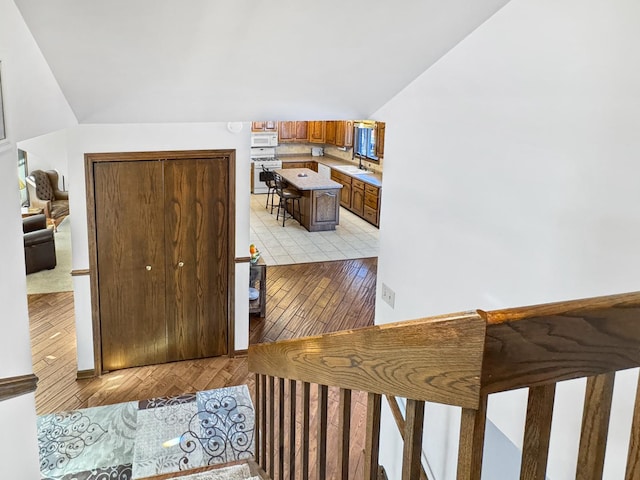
[84,374]
[241,353]
[79,272]
[15,386]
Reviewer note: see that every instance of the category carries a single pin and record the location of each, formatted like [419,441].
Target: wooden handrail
[435,359]
[544,344]
[11,387]
[461,359]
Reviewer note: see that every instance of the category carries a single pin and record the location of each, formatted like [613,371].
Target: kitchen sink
[351,169]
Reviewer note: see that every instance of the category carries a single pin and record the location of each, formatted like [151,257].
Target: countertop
[309,181]
[374,179]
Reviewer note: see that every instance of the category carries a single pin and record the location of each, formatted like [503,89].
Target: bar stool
[269,180]
[285,195]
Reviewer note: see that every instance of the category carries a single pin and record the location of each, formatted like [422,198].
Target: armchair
[44,193]
[39,244]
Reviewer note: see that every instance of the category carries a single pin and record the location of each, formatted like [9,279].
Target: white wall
[511,178]
[33,105]
[148,137]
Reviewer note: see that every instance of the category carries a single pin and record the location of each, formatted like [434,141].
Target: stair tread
[234,472]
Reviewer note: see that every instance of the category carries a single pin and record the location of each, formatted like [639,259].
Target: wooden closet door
[197,236]
[131,266]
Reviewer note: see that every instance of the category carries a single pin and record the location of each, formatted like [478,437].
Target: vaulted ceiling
[238,60]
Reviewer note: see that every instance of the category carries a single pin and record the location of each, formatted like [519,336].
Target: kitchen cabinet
[345,192]
[380,130]
[290,132]
[317,131]
[268,126]
[357,197]
[344,133]
[319,203]
[330,132]
[372,204]
[310,165]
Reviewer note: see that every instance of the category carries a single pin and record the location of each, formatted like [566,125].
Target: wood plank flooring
[302,299]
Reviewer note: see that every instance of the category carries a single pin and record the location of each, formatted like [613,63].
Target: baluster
[272,428]
[306,400]
[323,400]
[263,420]
[595,426]
[472,427]
[535,449]
[292,429]
[258,416]
[372,442]
[411,464]
[633,459]
[281,428]
[344,431]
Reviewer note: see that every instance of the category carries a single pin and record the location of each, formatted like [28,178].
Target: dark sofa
[39,244]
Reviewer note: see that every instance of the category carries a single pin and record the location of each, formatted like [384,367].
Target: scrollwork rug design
[140,439]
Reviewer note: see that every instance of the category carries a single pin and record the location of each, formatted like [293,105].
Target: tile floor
[278,245]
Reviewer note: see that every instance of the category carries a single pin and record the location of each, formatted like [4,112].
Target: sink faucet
[360,162]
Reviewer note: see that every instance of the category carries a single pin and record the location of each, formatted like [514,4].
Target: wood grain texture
[281,430]
[549,343]
[436,359]
[633,458]
[411,455]
[323,405]
[292,428]
[372,439]
[11,387]
[595,426]
[271,427]
[130,239]
[471,445]
[257,406]
[226,211]
[537,432]
[344,431]
[400,423]
[306,419]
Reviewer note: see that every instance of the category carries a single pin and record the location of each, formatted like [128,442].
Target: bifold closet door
[196,238]
[129,203]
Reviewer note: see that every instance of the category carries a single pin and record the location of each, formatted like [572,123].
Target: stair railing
[459,360]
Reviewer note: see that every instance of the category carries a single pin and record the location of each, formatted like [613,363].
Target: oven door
[258,179]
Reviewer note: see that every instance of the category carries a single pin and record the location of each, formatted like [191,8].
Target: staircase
[458,359]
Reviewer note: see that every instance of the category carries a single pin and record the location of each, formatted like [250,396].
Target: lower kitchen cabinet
[359,197]
[310,165]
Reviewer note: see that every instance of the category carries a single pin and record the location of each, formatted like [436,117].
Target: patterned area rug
[151,437]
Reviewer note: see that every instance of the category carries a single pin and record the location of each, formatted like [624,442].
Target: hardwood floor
[302,299]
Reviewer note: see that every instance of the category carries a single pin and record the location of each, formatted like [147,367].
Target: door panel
[196,232]
[130,261]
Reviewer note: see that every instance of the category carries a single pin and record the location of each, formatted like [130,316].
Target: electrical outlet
[388,295]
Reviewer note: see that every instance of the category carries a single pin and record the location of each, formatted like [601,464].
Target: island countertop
[309,180]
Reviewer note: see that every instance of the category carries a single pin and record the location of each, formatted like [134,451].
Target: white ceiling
[239,60]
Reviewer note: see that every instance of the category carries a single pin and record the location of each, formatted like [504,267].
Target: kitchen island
[320,202]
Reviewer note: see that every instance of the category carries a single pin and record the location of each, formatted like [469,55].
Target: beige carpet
[58,279]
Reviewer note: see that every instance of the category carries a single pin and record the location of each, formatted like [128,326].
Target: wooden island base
[320,202]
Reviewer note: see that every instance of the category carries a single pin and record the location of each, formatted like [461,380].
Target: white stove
[263,157]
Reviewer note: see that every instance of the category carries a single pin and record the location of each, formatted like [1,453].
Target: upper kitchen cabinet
[380,128]
[344,133]
[317,131]
[269,126]
[330,132]
[289,132]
